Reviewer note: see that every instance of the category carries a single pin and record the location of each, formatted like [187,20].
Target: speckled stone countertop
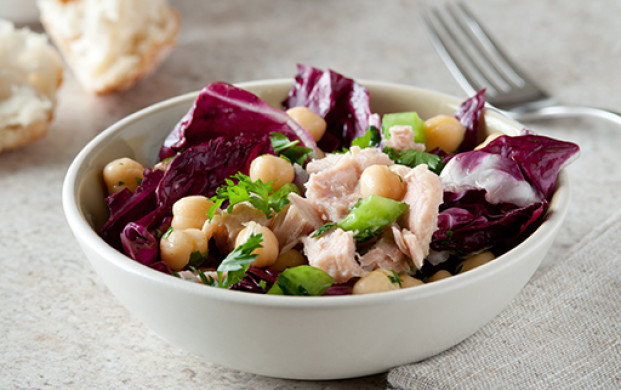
[60,326]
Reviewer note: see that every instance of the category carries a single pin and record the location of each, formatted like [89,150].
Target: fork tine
[453,62]
[488,47]
[466,54]
[472,56]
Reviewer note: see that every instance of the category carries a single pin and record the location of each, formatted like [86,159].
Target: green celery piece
[303,280]
[371,213]
[275,290]
[410,118]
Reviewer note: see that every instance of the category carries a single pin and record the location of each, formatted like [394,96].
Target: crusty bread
[31,71]
[110,44]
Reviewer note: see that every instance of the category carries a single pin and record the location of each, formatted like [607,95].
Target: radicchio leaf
[468,223]
[342,102]
[198,170]
[540,158]
[224,110]
[470,114]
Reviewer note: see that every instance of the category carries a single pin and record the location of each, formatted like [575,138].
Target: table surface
[62,328]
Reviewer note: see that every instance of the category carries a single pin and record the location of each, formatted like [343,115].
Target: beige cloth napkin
[563,331]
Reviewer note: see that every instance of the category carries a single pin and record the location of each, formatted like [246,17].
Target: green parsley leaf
[323,229]
[197,258]
[167,232]
[413,157]
[449,236]
[260,195]
[242,255]
[236,263]
[371,138]
[207,280]
[280,198]
[291,150]
[394,278]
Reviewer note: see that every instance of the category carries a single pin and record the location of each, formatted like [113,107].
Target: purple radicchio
[136,218]
[341,101]
[498,194]
[223,110]
[468,223]
[471,114]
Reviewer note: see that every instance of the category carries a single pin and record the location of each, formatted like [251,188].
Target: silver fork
[477,62]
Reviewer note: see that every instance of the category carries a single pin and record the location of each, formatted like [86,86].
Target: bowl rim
[88,237]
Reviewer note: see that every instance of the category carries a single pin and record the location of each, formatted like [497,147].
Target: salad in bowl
[322,196]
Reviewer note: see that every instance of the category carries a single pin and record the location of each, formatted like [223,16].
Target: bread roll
[110,44]
[31,71]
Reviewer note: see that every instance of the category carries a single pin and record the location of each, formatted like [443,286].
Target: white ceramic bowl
[285,336]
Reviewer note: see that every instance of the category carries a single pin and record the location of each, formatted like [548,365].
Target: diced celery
[275,290]
[303,280]
[372,212]
[410,118]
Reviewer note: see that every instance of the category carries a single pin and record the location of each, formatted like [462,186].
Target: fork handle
[558,111]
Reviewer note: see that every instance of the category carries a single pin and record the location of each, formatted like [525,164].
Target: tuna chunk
[424,195]
[333,186]
[298,220]
[335,253]
[402,137]
[408,243]
[385,254]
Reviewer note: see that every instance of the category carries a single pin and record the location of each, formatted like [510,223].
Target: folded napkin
[561,332]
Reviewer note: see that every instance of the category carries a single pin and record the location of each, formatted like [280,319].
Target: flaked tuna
[424,195]
[296,221]
[402,138]
[384,254]
[333,186]
[335,253]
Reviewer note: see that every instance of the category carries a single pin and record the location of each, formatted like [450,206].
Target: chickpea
[445,132]
[442,274]
[475,261]
[313,123]
[266,255]
[122,173]
[409,281]
[487,140]
[376,281]
[269,167]
[288,259]
[214,227]
[190,212]
[177,247]
[380,180]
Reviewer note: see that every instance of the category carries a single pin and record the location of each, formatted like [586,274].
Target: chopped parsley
[371,138]
[290,150]
[260,195]
[236,263]
[167,233]
[394,278]
[413,157]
